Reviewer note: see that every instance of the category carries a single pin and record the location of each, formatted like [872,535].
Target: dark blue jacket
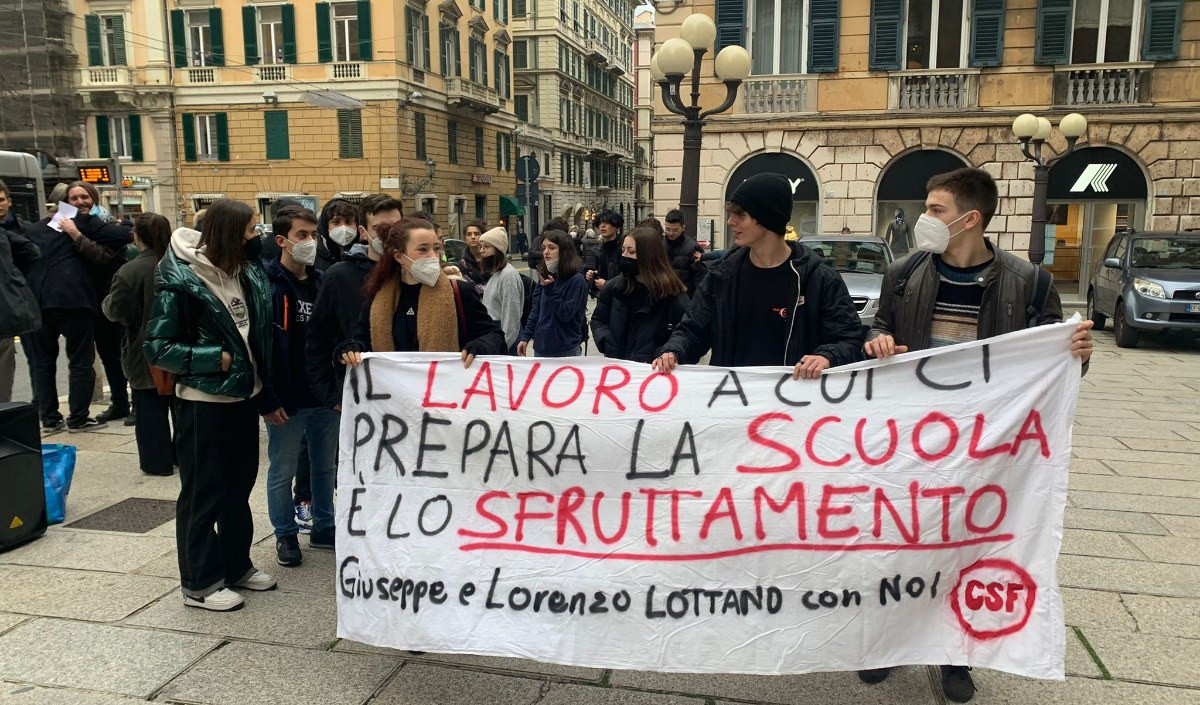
[283,388]
[558,315]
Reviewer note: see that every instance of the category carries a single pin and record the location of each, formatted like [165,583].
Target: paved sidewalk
[95,618]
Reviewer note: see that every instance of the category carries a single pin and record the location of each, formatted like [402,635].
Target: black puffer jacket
[603,258]
[825,321]
[632,326]
[61,277]
[682,253]
[334,316]
[19,310]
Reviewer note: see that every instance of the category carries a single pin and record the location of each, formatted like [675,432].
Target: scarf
[435,308]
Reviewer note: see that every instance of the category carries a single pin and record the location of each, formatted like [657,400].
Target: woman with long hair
[637,310]
[504,293]
[211,327]
[412,305]
[128,303]
[556,321]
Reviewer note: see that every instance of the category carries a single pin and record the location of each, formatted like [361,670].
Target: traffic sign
[528,169]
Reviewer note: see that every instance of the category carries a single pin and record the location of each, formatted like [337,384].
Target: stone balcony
[950,90]
[346,71]
[122,88]
[1102,84]
[107,76]
[596,50]
[472,96]
[782,94]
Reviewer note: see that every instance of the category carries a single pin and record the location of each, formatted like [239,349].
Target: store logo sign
[1096,176]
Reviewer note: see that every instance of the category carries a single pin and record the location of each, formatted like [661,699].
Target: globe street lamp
[668,67]
[1033,131]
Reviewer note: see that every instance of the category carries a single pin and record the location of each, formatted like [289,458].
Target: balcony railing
[956,89]
[273,72]
[1122,84]
[102,76]
[596,49]
[472,95]
[201,76]
[347,70]
[779,94]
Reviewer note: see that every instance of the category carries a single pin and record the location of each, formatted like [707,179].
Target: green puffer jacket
[189,327]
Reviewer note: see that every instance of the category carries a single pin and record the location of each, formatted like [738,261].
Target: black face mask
[628,267]
[490,263]
[252,248]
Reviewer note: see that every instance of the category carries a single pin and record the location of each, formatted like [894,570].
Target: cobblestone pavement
[95,618]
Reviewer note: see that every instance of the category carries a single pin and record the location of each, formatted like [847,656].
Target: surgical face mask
[343,235]
[304,253]
[932,235]
[552,266]
[426,270]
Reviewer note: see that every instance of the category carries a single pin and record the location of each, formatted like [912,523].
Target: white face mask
[304,253]
[552,265]
[426,270]
[932,235]
[343,235]
[376,246]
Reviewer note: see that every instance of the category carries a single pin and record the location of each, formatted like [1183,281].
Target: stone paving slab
[1090,467]
[1168,549]
[87,550]
[1152,470]
[560,694]
[1137,485]
[8,621]
[316,575]
[22,694]
[240,673]
[1096,608]
[1180,525]
[997,687]
[276,617]
[1129,576]
[1078,661]
[73,594]
[420,684]
[1107,520]
[1135,503]
[1148,657]
[100,657]
[1166,616]
[911,685]
[491,663]
[1082,542]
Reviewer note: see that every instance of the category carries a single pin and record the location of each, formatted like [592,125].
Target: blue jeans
[573,352]
[320,427]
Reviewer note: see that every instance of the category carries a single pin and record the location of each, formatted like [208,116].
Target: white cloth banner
[591,512]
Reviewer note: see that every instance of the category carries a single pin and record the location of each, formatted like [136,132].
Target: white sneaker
[223,600]
[258,581]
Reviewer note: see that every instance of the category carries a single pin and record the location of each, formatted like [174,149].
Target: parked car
[861,261]
[1147,282]
[454,249]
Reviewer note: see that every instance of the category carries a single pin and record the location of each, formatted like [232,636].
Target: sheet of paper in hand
[595,513]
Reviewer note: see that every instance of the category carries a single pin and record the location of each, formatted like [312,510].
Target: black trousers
[303,490]
[156,452]
[77,326]
[217,447]
[108,347]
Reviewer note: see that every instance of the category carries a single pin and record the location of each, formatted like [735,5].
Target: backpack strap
[1042,280]
[910,265]
[461,315]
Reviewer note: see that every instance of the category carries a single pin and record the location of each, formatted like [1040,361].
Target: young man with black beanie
[769,302]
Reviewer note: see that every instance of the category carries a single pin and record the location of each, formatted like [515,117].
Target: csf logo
[993,598]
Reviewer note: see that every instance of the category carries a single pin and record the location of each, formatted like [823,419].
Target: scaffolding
[38,107]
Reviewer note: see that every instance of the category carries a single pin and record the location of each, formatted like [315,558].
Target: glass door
[1067,221]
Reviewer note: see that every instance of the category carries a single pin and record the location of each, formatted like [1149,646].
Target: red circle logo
[994,597]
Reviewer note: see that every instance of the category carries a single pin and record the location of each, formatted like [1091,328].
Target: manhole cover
[132,516]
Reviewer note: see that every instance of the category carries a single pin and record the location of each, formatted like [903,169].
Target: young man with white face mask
[961,288]
[300,415]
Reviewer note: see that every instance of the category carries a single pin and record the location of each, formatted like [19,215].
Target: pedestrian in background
[128,303]
[558,316]
[211,328]
[19,312]
[638,309]
[601,262]
[682,251]
[504,293]
[469,264]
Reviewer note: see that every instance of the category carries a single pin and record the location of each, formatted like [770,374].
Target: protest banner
[592,512]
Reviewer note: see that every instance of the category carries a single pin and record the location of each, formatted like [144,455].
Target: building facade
[572,62]
[859,102]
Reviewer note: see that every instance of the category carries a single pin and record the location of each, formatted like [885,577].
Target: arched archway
[806,192]
[901,189]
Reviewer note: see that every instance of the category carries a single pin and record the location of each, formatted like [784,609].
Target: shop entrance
[805,194]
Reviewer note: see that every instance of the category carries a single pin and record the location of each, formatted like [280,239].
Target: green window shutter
[419,118]
[250,34]
[520,55]
[731,23]
[178,39]
[1160,39]
[95,54]
[343,121]
[216,30]
[479,146]
[222,137]
[987,33]
[135,138]
[499,150]
[507,78]
[324,30]
[887,34]
[289,33]
[189,137]
[823,36]
[103,146]
[521,107]
[276,124]
[456,47]
[118,57]
[350,134]
[425,45]
[498,64]
[1053,32]
[496,10]
[410,34]
[364,30]
[452,141]
[442,36]
[503,11]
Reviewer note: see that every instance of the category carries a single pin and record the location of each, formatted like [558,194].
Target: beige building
[572,61]
[859,102]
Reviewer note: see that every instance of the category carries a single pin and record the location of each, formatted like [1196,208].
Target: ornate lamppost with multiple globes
[1033,131]
[669,65]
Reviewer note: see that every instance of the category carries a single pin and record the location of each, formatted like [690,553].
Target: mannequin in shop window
[899,235]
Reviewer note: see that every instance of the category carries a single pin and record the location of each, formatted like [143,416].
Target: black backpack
[1037,303]
[528,305]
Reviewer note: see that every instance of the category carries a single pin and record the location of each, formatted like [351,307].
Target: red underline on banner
[818,547]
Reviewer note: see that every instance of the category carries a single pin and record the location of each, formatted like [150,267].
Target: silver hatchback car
[861,261]
[1147,282]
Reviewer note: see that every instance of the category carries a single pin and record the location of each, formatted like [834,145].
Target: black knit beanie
[768,199]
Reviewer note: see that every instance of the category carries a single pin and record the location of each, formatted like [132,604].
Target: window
[500,64]
[451,49]
[478,146]
[481,207]
[350,141]
[199,38]
[520,55]
[499,150]
[112,39]
[344,16]
[452,141]
[546,161]
[478,60]
[419,128]
[206,137]
[417,38]
[118,135]
[276,125]
[1103,32]
[270,34]
[934,34]
[518,8]
[521,107]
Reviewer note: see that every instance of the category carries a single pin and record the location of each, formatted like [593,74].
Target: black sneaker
[113,413]
[52,426]
[287,551]
[131,420]
[871,676]
[88,425]
[957,683]
[321,539]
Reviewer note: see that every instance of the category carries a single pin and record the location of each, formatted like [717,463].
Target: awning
[509,205]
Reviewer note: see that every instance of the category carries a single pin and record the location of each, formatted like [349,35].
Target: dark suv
[1147,282]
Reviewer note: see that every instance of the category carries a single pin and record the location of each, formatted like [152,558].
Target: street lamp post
[668,67]
[1033,131]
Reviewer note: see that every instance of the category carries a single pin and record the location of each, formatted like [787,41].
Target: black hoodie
[825,321]
[333,320]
